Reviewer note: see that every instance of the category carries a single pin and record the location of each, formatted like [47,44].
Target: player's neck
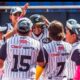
[37,34]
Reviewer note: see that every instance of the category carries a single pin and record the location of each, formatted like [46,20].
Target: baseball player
[76,58]
[2,29]
[58,51]
[15,14]
[40,28]
[71,37]
[20,53]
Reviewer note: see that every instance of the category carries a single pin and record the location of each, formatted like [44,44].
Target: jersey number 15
[23,66]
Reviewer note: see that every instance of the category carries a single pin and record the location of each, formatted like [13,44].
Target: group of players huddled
[36,49]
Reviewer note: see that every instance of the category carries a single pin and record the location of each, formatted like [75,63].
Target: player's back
[58,52]
[22,54]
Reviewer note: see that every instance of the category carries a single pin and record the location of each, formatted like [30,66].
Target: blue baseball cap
[24,25]
[36,18]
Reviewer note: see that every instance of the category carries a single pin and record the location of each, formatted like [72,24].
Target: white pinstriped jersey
[42,36]
[58,52]
[70,65]
[22,52]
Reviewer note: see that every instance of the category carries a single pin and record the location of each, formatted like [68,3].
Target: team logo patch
[23,41]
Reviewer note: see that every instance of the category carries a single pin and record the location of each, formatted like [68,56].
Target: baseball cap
[72,21]
[24,25]
[36,18]
[73,25]
[2,29]
[15,10]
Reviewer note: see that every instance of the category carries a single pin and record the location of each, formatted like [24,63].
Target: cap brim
[3,28]
[76,29]
[16,12]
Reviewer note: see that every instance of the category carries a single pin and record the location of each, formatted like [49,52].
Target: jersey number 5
[23,66]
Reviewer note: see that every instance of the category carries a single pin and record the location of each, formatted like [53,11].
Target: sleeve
[5,31]
[76,56]
[43,55]
[3,53]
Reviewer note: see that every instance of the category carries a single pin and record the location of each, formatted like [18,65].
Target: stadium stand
[42,3]
[45,4]
[44,11]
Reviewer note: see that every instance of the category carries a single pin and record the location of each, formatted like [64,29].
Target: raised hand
[24,8]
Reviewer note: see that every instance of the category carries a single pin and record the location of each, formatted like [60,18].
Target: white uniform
[42,38]
[9,27]
[22,52]
[58,52]
[75,56]
[70,66]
